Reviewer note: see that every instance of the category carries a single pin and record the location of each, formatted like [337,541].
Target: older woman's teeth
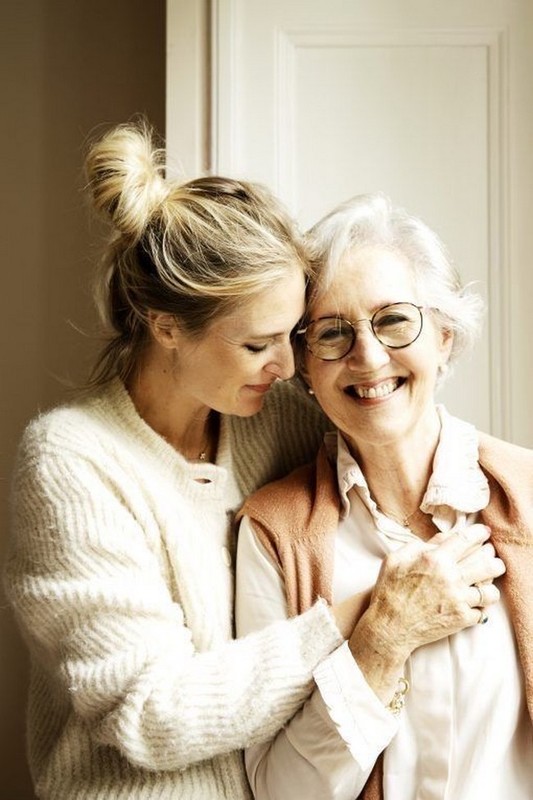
[369,392]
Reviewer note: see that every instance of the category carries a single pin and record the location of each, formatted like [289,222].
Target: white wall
[66,67]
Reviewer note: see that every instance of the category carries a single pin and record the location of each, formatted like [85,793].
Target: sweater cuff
[323,636]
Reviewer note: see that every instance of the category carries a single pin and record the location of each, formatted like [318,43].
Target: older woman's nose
[367,350]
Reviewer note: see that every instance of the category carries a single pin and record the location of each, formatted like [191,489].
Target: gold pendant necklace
[404,521]
[211,434]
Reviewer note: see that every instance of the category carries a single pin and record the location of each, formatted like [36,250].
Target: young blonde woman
[121,561]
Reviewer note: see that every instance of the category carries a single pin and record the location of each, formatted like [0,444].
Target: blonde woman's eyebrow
[257,337]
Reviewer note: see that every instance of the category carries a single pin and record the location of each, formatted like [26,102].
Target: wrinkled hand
[425,590]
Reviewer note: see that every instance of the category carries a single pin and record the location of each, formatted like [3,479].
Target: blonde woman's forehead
[273,311]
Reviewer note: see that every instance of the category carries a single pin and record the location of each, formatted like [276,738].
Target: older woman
[120,566]
[386,318]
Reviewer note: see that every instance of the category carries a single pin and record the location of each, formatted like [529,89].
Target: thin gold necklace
[211,435]
[404,521]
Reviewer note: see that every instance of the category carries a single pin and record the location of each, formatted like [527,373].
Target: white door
[430,102]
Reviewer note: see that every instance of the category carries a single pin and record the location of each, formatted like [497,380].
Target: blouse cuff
[363,723]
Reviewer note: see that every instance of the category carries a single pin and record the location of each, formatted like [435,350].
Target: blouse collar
[457,481]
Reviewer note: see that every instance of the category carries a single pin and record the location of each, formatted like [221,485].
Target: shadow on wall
[68,69]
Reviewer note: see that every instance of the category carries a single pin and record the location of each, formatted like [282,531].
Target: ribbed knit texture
[117,580]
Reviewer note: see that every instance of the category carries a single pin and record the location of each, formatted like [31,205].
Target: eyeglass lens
[396,326]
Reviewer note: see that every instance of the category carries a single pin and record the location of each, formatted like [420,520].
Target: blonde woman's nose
[283,366]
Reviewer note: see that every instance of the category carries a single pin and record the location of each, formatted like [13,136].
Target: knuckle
[479,531]
[499,566]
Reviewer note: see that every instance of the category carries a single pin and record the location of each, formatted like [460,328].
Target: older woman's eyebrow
[350,317]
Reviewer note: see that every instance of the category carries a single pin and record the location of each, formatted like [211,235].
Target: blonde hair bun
[125,173]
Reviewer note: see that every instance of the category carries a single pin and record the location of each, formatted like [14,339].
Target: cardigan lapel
[508,528]
[509,514]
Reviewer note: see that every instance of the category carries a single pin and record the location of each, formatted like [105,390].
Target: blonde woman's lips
[260,388]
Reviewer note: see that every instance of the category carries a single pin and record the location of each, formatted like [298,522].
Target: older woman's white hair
[372,220]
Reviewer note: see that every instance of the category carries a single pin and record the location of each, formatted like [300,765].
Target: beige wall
[68,66]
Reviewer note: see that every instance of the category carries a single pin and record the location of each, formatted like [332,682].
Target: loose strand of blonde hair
[193,249]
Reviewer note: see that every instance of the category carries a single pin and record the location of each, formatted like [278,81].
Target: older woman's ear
[446,345]
[447,337]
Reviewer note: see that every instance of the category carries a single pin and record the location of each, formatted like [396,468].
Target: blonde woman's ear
[163,328]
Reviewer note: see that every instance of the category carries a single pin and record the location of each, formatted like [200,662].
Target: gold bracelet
[398,700]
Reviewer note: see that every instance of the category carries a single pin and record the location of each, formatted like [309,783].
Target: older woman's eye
[329,331]
[330,334]
[390,320]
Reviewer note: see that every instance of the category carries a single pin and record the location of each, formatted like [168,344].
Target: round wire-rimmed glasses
[395,325]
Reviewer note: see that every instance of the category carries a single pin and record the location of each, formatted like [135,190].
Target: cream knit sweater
[116,575]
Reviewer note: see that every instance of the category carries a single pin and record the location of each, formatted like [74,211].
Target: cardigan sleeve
[99,617]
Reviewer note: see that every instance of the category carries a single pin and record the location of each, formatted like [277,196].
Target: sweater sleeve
[101,618]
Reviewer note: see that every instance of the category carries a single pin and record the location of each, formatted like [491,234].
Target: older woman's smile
[373,391]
